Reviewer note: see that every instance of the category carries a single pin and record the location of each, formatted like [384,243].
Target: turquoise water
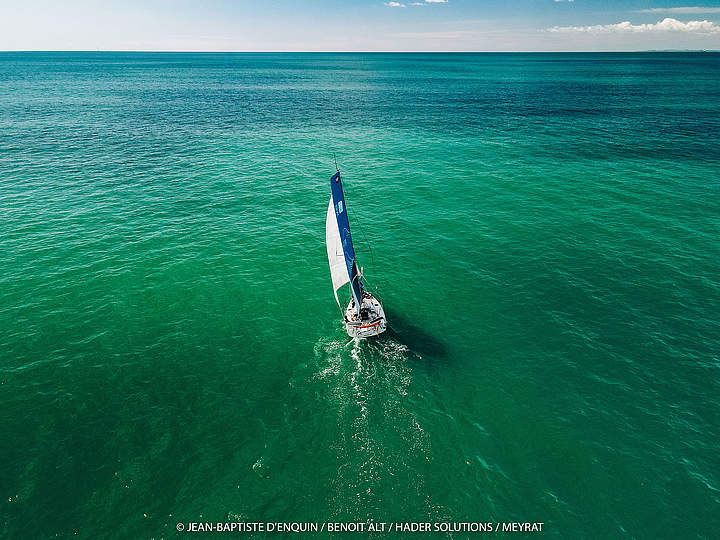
[543,231]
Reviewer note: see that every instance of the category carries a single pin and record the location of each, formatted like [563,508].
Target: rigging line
[357,221]
[361,229]
[369,284]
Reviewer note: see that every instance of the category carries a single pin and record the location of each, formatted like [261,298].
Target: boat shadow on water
[417,340]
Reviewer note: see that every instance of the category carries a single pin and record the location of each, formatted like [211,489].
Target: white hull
[373,321]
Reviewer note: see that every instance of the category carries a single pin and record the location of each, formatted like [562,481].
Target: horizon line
[347,52]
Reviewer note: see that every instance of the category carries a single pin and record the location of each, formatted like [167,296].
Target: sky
[358,25]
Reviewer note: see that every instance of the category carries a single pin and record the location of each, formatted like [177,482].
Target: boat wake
[379,441]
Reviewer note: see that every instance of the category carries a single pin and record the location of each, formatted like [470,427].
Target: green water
[543,231]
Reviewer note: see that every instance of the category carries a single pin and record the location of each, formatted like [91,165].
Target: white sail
[336,257]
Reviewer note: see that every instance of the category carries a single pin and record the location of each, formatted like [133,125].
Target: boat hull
[372,323]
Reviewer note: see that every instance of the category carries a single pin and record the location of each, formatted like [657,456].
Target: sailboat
[364,315]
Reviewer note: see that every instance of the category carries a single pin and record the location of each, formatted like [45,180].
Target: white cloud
[436,1]
[564,0]
[681,10]
[666,25]
[394,4]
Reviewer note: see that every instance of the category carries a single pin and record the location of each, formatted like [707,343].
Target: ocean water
[543,229]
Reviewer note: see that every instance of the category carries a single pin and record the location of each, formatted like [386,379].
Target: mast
[338,201]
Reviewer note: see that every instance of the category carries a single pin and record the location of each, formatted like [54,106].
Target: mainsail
[341,255]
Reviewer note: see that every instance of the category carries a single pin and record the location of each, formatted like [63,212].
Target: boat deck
[372,320]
